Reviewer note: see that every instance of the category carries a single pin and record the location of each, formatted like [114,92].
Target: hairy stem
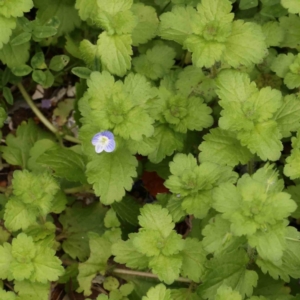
[42,118]
[144,274]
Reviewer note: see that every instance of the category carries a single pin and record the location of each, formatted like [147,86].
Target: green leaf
[166,142]
[127,209]
[167,268]
[159,292]
[294,191]
[156,63]
[115,52]
[291,26]
[246,38]
[222,147]
[111,174]
[44,78]
[177,25]
[22,70]
[63,10]
[87,9]
[287,116]
[111,219]
[100,252]
[17,215]
[36,151]
[43,32]
[21,39]
[38,61]
[15,8]
[3,116]
[77,222]
[82,72]
[6,25]
[65,163]
[33,262]
[236,277]
[58,62]
[90,54]
[7,295]
[293,6]
[291,168]
[247,4]
[194,259]
[17,150]
[147,25]
[218,236]
[290,259]
[8,95]
[126,253]
[273,32]
[5,261]
[14,56]
[264,139]
[32,289]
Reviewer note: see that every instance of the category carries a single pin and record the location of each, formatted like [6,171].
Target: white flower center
[103,141]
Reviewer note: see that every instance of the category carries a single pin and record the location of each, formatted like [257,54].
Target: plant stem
[42,118]
[79,189]
[144,274]
[250,166]
[291,239]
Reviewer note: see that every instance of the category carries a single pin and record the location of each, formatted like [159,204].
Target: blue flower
[104,141]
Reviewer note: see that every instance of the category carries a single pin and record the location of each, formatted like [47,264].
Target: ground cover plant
[150,149]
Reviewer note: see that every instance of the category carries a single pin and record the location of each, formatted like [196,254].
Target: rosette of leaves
[259,119]
[287,66]
[159,247]
[124,23]
[194,184]
[210,33]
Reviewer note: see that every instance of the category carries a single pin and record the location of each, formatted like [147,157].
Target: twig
[42,118]
[144,274]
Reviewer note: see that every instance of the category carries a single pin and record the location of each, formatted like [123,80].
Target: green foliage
[196,104]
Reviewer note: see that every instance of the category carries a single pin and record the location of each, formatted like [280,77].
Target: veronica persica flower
[104,141]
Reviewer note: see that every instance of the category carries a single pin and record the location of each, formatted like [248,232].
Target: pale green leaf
[147,25]
[273,32]
[156,63]
[115,52]
[87,9]
[159,292]
[15,8]
[167,268]
[291,27]
[6,27]
[126,253]
[177,24]
[245,45]
[35,290]
[264,140]
[5,261]
[293,6]
[166,142]
[16,151]
[222,147]
[193,260]
[111,174]
[287,116]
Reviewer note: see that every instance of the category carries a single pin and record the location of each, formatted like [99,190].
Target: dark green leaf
[22,70]
[21,38]
[58,62]
[65,163]
[82,72]
[38,61]
[42,32]
[8,95]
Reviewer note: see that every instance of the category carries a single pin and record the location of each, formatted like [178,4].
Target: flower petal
[96,138]
[108,134]
[110,146]
[99,148]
